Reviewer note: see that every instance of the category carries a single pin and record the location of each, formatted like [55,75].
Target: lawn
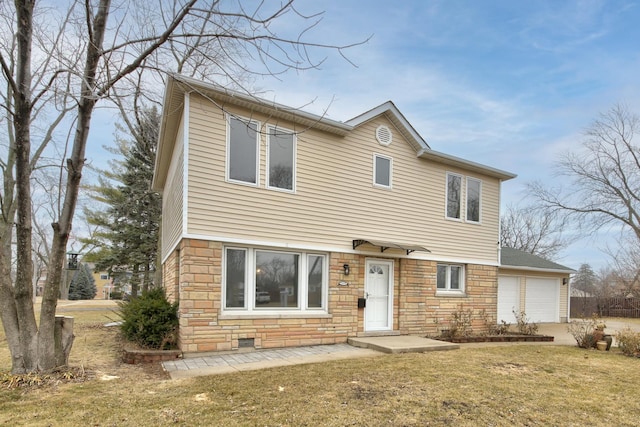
[507,385]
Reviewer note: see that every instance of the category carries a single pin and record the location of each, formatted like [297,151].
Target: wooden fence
[605,307]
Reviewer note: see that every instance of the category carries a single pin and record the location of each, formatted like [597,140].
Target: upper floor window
[281,159]
[450,278]
[242,151]
[474,190]
[454,193]
[382,168]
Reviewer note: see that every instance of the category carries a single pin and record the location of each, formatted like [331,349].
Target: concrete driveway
[563,337]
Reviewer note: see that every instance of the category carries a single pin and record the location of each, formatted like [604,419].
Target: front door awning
[386,245]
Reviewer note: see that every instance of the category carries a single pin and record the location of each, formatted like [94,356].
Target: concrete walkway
[247,361]
[402,344]
[357,347]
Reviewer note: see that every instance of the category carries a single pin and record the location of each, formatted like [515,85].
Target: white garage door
[508,298]
[542,300]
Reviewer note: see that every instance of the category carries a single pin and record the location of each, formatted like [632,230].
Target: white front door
[378,290]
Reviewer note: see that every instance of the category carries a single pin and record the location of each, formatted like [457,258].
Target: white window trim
[228,118]
[479,181]
[446,197]
[295,156]
[448,291]
[250,285]
[375,184]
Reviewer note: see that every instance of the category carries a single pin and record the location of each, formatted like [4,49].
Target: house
[284,228]
[532,284]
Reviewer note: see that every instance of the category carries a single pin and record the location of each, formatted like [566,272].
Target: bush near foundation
[629,342]
[150,320]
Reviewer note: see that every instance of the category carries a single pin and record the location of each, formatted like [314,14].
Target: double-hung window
[242,150]
[382,171]
[281,159]
[474,190]
[264,280]
[450,278]
[454,195]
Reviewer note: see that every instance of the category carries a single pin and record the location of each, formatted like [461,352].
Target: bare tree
[601,182]
[533,230]
[51,71]
[625,267]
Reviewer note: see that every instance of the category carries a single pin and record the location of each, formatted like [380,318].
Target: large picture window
[454,193]
[281,159]
[261,280]
[242,151]
[474,190]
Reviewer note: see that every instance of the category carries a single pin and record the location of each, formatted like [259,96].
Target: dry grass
[507,385]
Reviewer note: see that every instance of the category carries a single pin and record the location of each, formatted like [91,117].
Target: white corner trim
[185,165]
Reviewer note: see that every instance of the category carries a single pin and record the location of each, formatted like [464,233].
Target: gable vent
[384,135]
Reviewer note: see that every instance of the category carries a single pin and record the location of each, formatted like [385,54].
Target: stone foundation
[193,275]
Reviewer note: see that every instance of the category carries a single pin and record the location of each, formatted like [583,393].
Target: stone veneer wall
[198,270]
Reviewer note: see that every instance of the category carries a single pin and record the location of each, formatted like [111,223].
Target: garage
[537,286]
[542,296]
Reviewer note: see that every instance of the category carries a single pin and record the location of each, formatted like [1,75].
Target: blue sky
[511,84]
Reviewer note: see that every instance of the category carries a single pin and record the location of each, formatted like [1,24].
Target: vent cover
[246,342]
[384,135]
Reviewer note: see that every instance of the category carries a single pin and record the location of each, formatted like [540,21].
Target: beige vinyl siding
[335,199]
[172,198]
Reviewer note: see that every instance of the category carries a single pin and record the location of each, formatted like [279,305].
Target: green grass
[506,385]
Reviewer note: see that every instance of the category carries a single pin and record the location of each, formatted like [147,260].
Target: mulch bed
[498,338]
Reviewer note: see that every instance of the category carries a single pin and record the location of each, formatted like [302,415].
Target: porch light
[346,269]
[565,281]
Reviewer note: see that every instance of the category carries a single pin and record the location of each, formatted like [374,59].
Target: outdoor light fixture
[347,270]
[564,281]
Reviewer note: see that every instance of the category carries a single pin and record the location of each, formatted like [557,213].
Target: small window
[450,277]
[454,188]
[382,169]
[474,191]
[242,151]
[281,159]
[104,277]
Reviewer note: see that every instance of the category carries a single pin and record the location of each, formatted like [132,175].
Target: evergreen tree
[83,285]
[585,280]
[128,237]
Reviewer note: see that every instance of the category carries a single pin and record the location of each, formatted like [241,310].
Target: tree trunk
[47,356]
[135,280]
[63,338]
[24,358]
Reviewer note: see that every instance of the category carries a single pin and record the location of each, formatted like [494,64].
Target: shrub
[150,320]
[629,342]
[525,326]
[587,332]
[459,323]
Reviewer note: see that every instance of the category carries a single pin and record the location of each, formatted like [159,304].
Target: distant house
[283,228]
[104,284]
